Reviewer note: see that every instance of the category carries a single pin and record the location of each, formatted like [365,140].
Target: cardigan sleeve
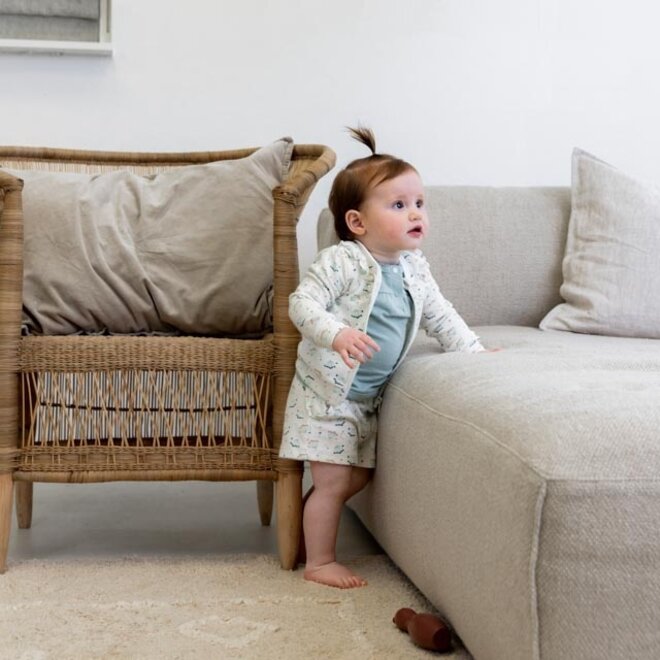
[326,280]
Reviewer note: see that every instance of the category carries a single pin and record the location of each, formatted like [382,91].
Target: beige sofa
[520,490]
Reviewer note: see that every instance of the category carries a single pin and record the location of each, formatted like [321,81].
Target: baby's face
[394,218]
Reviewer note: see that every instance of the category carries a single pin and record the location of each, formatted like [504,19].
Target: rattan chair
[89,394]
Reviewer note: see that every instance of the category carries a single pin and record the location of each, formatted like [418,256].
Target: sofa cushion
[495,252]
[611,269]
[186,250]
[519,490]
[552,387]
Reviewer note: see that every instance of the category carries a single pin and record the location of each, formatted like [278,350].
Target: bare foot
[334,575]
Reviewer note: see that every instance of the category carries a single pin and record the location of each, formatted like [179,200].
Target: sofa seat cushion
[570,406]
[520,492]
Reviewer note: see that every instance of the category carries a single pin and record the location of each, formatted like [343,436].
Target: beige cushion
[495,252]
[611,267]
[519,491]
[189,249]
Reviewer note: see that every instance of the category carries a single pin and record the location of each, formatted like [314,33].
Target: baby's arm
[442,321]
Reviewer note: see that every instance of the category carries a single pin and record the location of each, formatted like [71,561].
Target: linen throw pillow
[186,250]
[612,265]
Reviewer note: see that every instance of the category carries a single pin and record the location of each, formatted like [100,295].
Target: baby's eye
[420,203]
[398,204]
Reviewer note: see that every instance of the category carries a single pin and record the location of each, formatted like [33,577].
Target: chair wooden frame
[40,376]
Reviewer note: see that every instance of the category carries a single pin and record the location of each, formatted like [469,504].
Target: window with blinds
[61,26]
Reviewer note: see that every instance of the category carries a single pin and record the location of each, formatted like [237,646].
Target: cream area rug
[222,607]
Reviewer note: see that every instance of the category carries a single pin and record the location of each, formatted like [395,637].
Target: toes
[353,581]
[334,575]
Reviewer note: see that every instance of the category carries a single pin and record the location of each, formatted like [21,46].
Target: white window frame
[102,47]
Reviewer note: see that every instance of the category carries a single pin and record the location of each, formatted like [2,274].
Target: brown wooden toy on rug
[426,630]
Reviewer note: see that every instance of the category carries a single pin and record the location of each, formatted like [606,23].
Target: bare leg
[333,485]
[302,552]
[359,478]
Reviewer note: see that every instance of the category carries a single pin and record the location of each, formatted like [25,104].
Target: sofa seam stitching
[533,570]
[531,468]
[464,422]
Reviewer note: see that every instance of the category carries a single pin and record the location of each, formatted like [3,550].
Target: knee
[336,483]
[340,488]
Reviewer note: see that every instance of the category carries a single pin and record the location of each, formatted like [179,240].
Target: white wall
[470,91]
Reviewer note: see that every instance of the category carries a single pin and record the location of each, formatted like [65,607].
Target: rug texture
[221,607]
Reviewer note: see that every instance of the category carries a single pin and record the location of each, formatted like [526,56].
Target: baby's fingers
[369,341]
[346,358]
[362,350]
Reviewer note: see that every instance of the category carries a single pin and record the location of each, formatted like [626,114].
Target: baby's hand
[353,346]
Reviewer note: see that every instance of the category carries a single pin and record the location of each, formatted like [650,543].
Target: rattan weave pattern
[78,353]
[145,408]
[97,408]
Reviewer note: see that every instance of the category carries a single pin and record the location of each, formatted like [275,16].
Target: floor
[168,519]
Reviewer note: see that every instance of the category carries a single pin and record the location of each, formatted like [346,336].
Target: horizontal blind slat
[84,9]
[52,28]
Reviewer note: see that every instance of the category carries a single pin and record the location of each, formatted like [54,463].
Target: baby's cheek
[394,232]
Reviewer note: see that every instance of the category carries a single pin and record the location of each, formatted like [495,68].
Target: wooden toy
[427,631]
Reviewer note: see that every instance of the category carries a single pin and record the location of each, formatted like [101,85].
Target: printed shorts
[314,431]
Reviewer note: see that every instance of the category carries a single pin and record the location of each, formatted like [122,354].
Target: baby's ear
[354,222]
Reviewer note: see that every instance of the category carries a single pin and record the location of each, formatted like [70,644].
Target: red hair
[352,185]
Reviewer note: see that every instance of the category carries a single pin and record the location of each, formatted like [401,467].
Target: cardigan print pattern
[339,291]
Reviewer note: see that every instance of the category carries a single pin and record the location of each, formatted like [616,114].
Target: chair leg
[24,504]
[289,516]
[6,494]
[265,500]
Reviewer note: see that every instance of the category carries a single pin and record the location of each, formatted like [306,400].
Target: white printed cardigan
[339,290]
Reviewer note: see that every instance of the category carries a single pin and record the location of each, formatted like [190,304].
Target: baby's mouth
[416,232]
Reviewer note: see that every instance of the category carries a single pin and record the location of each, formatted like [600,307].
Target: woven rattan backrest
[96,162]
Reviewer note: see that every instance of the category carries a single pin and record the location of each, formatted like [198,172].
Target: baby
[358,309]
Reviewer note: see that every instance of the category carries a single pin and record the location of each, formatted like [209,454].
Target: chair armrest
[11,257]
[11,293]
[9,182]
[318,161]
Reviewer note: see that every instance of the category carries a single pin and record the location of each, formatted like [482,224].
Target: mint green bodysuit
[389,326]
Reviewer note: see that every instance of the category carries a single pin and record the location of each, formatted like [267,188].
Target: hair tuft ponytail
[365,136]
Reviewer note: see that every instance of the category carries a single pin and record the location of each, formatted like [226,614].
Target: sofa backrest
[495,252]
